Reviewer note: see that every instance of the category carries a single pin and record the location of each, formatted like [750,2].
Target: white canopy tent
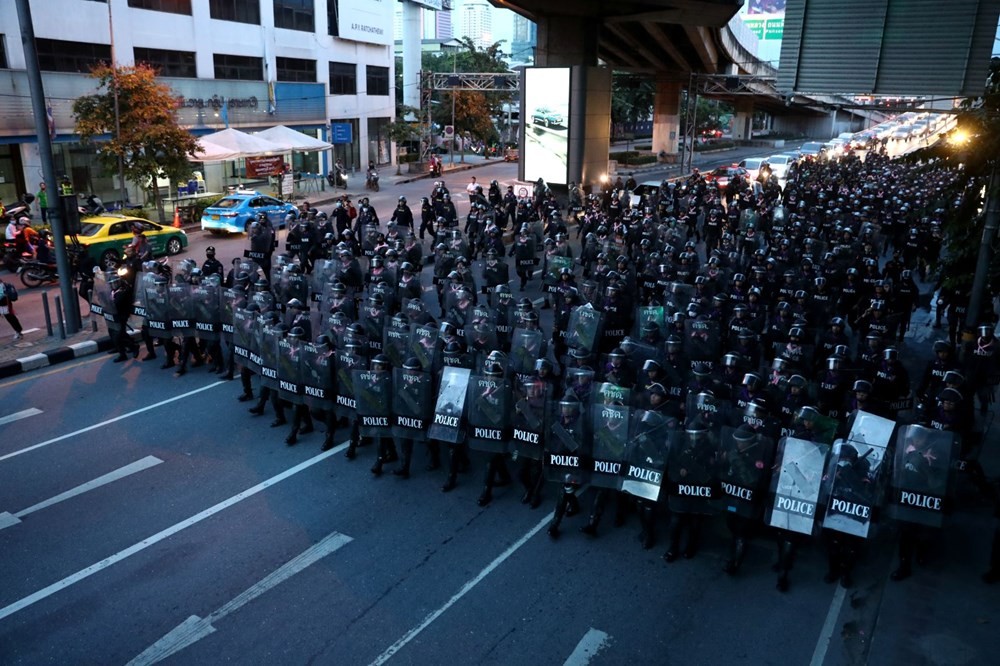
[230,144]
[293,140]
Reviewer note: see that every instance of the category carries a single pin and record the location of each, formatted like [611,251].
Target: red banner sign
[260,167]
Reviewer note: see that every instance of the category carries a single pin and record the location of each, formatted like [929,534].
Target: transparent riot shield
[706,410]
[449,410]
[799,356]
[424,346]
[677,297]
[525,349]
[922,475]
[411,404]
[484,317]
[369,239]
[553,268]
[651,314]
[489,403]
[139,302]
[373,318]
[584,329]
[611,437]
[795,486]
[373,393]
[105,300]
[324,272]
[245,339]
[567,443]
[181,309]
[396,342]
[158,309]
[206,300]
[579,384]
[852,488]
[702,341]
[296,286]
[647,454]
[269,336]
[745,461]
[345,365]
[607,393]
[691,470]
[231,299]
[317,376]
[290,370]
[530,413]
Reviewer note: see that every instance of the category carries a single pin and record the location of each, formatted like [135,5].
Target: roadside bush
[141,213]
[719,144]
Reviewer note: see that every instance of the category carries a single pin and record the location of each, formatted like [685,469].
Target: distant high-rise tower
[442,25]
[475,22]
[522,47]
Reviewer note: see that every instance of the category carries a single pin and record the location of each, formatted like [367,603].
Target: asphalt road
[146,516]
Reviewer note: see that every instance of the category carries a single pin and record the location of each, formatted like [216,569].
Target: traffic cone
[177,218]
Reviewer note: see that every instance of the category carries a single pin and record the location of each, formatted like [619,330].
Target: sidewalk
[38,350]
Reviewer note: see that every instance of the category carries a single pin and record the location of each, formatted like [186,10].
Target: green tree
[402,131]
[150,142]
[631,101]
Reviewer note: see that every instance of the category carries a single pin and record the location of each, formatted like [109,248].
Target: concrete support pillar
[564,41]
[666,118]
[743,121]
[411,54]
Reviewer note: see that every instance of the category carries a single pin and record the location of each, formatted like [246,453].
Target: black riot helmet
[297,332]
[412,364]
[380,363]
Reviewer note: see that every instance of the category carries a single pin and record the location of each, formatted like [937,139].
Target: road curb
[55,356]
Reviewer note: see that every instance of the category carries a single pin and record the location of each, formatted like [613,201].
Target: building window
[377,80]
[333,17]
[242,11]
[239,68]
[167,63]
[172,6]
[343,78]
[56,55]
[294,14]
[296,69]
[3,52]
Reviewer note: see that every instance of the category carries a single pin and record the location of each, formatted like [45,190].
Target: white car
[753,165]
[779,165]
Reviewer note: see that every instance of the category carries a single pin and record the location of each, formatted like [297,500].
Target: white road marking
[6,519]
[17,416]
[826,633]
[592,642]
[72,579]
[110,421]
[427,621]
[195,628]
[29,330]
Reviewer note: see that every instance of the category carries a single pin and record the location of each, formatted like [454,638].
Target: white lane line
[71,580]
[195,628]
[592,642]
[17,416]
[826,633]
[415,631]
[6,519]
[110,421]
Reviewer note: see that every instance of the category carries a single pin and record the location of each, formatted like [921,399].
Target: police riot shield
[852,486]
[373,395]
[530,413]
[345,365]
[229,301]
[206,299]
[584,330]
[921,478]
[290,370]
[143,280]
[324,272]
[424,346]
[260,242]
[638,353]
[457,244]
[279,276]
[795,486]
[524,255]
[181,309]
[553,267]
[616,370]
[706,410]
[158,309]
[651,314]
[269,335]
[611,431]
[412,393]
[296,286]
[566,445]
[744,470]
[701,340]
[525,349]
[799,356]
[647,453]
[396,343]
[373,317]
[483,317]
[317,376]
[677,297]
[102,301]
[245,339]
[578,384]
[691,470]
[449,410]
[458,308]
[607,393]
[369,239]
[489,413]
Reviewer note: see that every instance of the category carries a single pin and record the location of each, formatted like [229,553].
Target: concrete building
[302,63]
[525,38]
[475,21]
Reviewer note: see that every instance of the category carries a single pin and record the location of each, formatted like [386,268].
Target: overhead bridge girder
[484,81]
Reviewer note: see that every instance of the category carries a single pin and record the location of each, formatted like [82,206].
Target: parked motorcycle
[18,209]
[371,182]
[35,273]
[92,205]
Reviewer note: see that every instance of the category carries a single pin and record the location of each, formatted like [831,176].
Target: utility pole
[118,121]
[985,250]
[70,301]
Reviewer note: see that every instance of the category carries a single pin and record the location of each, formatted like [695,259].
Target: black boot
[735,560]
[293,437]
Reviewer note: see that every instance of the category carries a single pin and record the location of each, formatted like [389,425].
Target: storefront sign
[259,167]
[367,21]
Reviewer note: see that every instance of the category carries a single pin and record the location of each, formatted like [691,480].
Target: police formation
[713,351]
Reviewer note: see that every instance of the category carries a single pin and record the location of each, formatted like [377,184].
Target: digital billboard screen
[545,118]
